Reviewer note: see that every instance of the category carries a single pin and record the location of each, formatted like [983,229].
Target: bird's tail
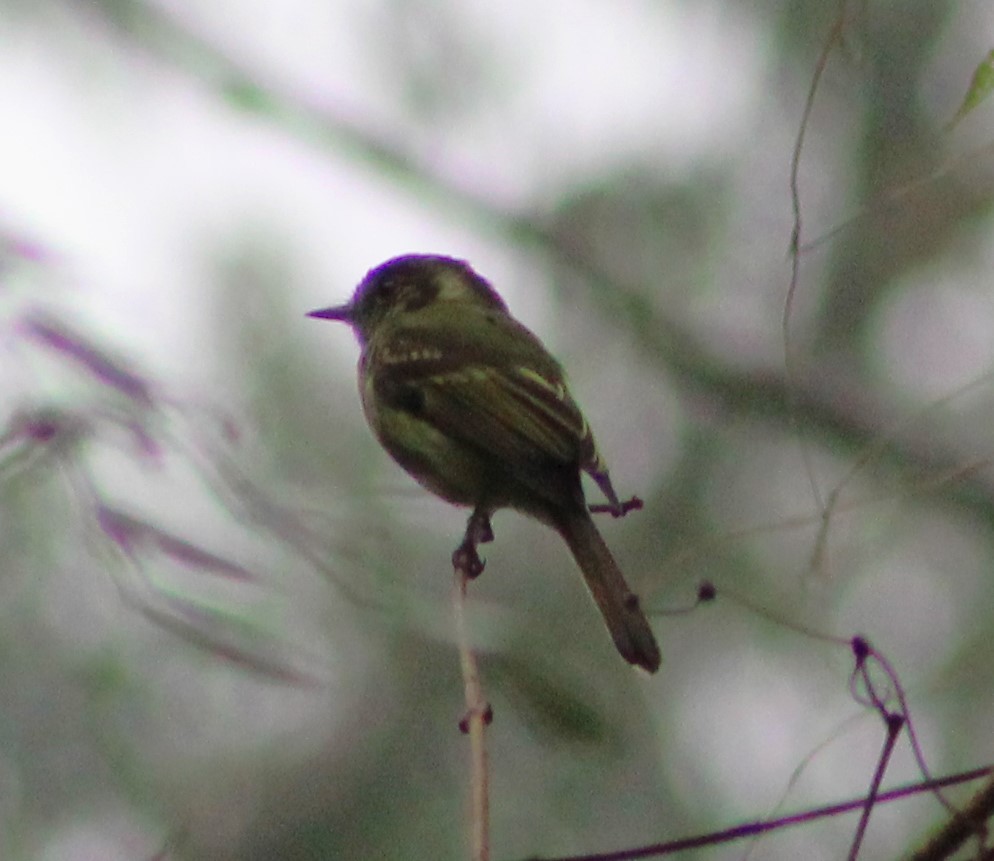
[618,604]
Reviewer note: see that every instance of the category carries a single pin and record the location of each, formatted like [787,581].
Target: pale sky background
[119,169]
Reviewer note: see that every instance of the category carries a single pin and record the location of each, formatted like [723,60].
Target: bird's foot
[617,508]
[478,531]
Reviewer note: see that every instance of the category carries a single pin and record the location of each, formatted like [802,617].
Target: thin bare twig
[753,829]
[895,723]
[795,267]
[474,724]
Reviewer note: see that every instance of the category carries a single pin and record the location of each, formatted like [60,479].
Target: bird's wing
[499,391]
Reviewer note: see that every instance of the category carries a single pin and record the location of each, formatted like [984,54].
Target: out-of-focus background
[224,614]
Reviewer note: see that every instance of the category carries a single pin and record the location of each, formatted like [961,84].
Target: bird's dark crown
[414,281]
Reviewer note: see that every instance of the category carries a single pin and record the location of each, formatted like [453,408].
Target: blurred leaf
[980,88]
[228,637]
[249,96]
[80,349]
[132,535]
[549,704]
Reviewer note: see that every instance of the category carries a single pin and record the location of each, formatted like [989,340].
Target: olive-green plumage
[474,407]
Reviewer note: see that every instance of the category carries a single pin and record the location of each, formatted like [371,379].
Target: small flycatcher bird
[472,405]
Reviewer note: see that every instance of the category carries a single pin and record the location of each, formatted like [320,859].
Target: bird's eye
[384,293]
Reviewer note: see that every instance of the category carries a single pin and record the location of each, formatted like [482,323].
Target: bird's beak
[336,312]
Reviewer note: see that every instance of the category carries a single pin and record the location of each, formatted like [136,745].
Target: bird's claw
[478,531]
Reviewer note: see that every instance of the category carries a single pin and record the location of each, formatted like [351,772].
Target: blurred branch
[836,411]
[754,829]
[971,822]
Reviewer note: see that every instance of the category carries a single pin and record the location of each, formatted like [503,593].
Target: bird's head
[409,284]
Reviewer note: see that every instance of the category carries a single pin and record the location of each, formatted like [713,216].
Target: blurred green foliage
[155,702]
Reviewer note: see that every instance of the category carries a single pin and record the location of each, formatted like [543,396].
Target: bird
[474,407]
